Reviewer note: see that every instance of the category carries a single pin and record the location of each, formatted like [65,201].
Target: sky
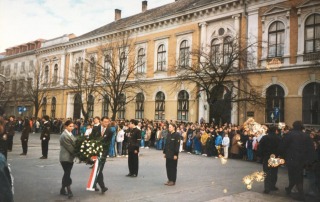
[22,21]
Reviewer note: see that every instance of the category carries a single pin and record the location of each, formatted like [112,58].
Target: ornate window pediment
[276,10]
[309,3]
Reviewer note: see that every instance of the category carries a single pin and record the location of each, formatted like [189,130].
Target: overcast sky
[22,21]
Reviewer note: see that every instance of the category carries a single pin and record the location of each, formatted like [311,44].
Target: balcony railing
[311,56]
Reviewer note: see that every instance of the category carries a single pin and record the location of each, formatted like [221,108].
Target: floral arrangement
[254,128]
[86,148]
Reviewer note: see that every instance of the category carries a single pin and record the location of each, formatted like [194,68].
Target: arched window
[92,65]
[107,65]
[141,66]
[90,106]
[77,106]
[274,104]
[161,59]
[44,106]
[122,109]
[276,39]
[312,34]
[184,54]
[220,105]
[160,106]
[311,104]
[55,74]
[53,107]
[78,70]
[183,105]
[46,74]
[139,106]
[227,50]
[123,63]
[215,46]
[106,103]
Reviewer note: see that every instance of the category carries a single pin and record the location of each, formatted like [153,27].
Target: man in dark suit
[103,131]
[269,144]
[298,150]
[9,130]
[45,137]
[134,138]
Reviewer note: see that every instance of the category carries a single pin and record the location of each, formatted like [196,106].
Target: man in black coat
[134,138]
[45,136]
[9,130]
[298,150]
[268,145]
[5,181]
[103,131]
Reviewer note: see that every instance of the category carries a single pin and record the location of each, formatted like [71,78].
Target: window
[122,109]
[183,105]
[311,103]
[44,106]
[312,34]
[92,65]
[184,54]
[161,59]
[123,63]
[15,70]
[106,103]
[29,84]
[2,70]
[274,99]
[276,39]
[55,74]
[22,70]
[215,46]
[14,86]
[7,86]
[139,106]
[78,70]
[227,50]
[46,74]
[53,107]
[141,66]
[160,106]
[21,86]
[90,106]
[8,70]
[107,65]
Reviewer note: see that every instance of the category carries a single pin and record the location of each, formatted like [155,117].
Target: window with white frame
[123,63]
[55,73]
[107,65]
[161,58]
[312,33]
[46,74]
[227,49]
[184,54]
[44,106]
[276,38]
[139,106]
[106,103]
[53,107]
[183,105]
[90,106]
[160,106]
[141,63]
[92,65]
[215,52]
[122,109]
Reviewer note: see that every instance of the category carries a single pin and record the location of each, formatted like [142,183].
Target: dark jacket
[25,133]
[106,138]
[172,145]
[269,144]
[134,139]
[45,132]
[3,144]
[5,181]
[297,148]
[9,128]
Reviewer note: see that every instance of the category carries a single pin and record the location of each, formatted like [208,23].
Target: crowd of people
[300,147]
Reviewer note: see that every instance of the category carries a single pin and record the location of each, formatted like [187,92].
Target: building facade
[284,68]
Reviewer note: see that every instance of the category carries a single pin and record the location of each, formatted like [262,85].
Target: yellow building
[284,68]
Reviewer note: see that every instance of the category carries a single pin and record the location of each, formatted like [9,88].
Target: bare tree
[121,73]
[5,97]
[220,71]
[82,81]
[37,88]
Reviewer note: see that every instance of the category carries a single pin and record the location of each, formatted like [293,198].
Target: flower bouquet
[87,148]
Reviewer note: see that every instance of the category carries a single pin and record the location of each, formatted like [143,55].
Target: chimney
[117,14]
[144,6]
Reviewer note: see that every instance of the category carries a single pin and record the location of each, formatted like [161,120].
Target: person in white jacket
[120,138]
[225,144]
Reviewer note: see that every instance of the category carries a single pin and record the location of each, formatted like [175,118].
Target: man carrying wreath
[102,131]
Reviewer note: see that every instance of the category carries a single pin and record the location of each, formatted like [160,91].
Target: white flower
[81,150]
[98,148]
[87,144]
[93,144]
[89,152]
[100,153]
[82,146]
